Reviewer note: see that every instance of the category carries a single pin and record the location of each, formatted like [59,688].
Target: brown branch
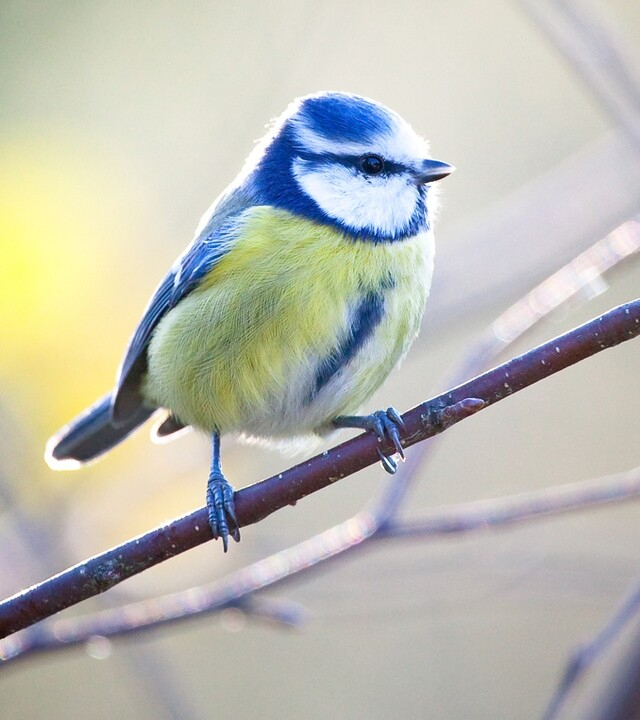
[260,500]
[239,588]
[582,276]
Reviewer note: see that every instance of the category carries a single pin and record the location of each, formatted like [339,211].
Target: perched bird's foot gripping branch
[386,424]
[220,504]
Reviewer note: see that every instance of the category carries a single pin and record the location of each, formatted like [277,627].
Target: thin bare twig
[239,588]
[582,273]
[582,276]
[256,502]
[592,46]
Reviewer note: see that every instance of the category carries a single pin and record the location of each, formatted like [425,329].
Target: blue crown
[345,118]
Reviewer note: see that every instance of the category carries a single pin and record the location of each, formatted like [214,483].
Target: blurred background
[119,123]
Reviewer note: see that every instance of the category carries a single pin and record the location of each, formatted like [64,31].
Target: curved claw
[388,421]
[387,462]
[395,417]
[386,424]
[221,510]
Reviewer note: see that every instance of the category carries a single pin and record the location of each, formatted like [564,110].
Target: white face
[382,203]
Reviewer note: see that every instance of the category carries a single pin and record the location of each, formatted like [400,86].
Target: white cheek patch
[381,204]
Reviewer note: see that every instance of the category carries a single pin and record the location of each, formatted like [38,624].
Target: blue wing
[185,275]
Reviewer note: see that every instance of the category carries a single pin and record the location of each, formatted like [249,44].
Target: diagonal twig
[258,501]
[580,276]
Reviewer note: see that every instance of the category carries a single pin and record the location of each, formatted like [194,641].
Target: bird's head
[349,162]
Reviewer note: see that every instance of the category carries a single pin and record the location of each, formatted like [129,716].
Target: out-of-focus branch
[617,699]
[526,244]
[582,196]
[589,42]
[36,548]
[256,502]
[582,276]
[496,512]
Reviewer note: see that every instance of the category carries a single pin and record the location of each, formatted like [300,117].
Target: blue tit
[303,288]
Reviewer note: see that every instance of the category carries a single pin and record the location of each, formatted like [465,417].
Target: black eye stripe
[352,161]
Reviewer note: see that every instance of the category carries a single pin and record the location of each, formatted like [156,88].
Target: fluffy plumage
[295,326]
[303,288]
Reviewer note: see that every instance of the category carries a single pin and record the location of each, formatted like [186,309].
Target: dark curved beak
[432,170]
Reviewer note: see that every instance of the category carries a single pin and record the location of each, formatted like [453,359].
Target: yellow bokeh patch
[60,208]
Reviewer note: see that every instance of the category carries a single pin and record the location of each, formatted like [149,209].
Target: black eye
[371,164]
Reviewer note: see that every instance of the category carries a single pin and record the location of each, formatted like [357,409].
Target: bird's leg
[386,424]
[220,504]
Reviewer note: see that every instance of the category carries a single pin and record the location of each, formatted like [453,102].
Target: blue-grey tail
[90,435]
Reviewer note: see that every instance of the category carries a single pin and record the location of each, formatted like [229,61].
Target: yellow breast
[241,352]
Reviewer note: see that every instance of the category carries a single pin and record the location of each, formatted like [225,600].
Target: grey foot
[222,513]
[386,424]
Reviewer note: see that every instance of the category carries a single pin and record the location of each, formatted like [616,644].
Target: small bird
[303,288]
